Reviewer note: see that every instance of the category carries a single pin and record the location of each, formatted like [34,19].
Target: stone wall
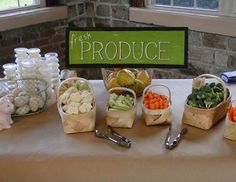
[208,53]
[49,36]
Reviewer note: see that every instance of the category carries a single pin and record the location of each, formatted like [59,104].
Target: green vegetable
[120,102]
[208,96]
[212,84]
[81,86]
[63,88]
[84,86]
[77,85]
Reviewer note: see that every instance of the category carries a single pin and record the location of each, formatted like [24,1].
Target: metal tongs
[170,145]
[115,137]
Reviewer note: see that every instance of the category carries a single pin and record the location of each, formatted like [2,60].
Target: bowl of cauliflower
[76,105]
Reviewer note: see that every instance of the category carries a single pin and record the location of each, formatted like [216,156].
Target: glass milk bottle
[53,64]
[21,55]
[10,75]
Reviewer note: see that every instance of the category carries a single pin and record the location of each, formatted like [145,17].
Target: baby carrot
[154,100]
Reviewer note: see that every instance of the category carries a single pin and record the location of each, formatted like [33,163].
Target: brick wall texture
[208,53]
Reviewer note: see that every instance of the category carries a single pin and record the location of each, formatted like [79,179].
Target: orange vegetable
[232,113]
[155,101]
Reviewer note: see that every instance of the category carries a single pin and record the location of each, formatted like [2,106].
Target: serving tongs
[115,137]
[171,145]
[114,133]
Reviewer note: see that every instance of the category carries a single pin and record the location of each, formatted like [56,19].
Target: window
[215,7]
[7,6]
[195,4]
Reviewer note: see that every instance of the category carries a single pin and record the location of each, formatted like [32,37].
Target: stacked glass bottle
[30,65]
[53,64]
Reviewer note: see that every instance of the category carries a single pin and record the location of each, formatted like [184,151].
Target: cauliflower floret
[72,108]
[85,107]
[75,97]
[87,97]
[64,98]
[65,107]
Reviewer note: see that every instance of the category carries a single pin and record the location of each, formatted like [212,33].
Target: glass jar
[53,64]
[10,75]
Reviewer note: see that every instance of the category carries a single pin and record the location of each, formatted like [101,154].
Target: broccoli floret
[217,89]
[201,104]
[212,84]
[192,103]
[219,85]
[206,88]
[201,95]
[192,96]
[208,103]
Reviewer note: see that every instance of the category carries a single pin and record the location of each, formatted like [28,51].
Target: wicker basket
[230,127]
[74,123]
[106,74]
[205,118]
[123,119]
[157,116]
[29,96]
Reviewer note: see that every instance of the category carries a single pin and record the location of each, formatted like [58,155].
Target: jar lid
[51,54]
[34,51]
[21,50]
[28,64]
[9,66]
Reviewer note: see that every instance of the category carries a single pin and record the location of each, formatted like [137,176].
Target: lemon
[138,87]
[144,77]
[112,83]
[125,77]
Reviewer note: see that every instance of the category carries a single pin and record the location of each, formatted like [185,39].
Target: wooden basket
[230,127]
[122,119]
[205,118]
[158,116]
[74,123]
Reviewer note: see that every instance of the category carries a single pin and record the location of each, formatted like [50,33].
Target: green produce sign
[127,47]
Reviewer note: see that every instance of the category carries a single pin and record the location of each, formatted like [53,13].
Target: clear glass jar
[34,53]
[52,57]
[21,51]
[10,70]
[53,63]
[10,75]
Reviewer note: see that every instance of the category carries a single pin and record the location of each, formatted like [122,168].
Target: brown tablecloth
[36,149]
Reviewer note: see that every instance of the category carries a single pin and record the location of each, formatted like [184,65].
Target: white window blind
[18,5]
[219,7]
[195,4]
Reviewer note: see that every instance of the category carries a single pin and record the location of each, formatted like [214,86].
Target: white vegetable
[87,97]
[23,93]
[72,108]
[43,95]
[64,98]
[65,107]
[16,91]
[23,110]
[76,97]
[33,104]
[21,100]
[10,97]
[40,100]
[85,107]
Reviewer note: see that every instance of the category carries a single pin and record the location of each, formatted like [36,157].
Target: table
[36,149]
